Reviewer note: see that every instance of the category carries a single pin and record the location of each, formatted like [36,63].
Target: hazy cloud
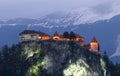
[37,8]
[103,8]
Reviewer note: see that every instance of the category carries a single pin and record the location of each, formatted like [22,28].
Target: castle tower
[56,36]
[94,45]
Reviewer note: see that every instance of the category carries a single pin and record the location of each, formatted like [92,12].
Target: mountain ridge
[102,30]
[65,18]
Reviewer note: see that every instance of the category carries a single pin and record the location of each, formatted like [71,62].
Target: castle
[31,35]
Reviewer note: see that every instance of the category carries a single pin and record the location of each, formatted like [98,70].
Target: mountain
[66,18]
[84,22]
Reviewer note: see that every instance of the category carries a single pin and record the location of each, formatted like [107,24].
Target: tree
[72,35]
[10,64]
[5,52]
[112,68]
[66,35]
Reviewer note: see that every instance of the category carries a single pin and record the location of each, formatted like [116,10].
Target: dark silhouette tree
[72,35]
[113,69]
[66,34]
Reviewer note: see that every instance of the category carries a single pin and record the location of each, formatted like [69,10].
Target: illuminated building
[31,35]
[94,45]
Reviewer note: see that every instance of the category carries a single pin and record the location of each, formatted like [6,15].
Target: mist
[36,8]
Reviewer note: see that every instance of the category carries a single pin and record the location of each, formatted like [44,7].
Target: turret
[94,45]
[56,36]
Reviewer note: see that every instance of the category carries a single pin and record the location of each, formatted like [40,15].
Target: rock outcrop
[61,58]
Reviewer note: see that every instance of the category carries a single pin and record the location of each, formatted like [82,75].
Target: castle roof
[94,40]
[34,32]
[56,34]
[77,35]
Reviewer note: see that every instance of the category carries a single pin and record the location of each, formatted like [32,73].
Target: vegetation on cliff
[53,58]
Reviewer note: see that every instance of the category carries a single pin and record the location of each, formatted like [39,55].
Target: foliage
[70,35]
[113,69]
[66,34]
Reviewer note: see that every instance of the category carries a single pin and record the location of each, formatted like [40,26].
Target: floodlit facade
[79,39]
[31,35]
[56,36]
[94,45]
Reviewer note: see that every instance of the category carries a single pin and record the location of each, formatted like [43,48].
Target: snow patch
[74,17]
[117,53]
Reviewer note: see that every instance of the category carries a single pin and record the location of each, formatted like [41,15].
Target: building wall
[28,37]
[44,37]
[81,43]
[56,38]
[94,46]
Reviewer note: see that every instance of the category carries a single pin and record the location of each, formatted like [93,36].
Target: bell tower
[94,45]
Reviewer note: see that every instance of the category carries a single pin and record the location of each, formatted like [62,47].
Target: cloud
[35,8]
[104,8]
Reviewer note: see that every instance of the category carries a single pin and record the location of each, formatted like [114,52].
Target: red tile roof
[77,35]
[56,34]
[94,40]
[34,32]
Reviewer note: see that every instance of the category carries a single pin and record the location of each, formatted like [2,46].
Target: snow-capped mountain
[70,17]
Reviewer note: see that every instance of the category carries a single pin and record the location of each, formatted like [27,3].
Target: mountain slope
[106,31]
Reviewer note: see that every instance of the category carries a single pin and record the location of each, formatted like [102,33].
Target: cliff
[62,58]
[56,58]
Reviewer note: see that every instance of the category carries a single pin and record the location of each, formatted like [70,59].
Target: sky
[36,8]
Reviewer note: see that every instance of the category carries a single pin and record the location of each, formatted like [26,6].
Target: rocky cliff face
[61,58]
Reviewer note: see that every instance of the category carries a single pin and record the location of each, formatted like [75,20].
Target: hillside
[50,58]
